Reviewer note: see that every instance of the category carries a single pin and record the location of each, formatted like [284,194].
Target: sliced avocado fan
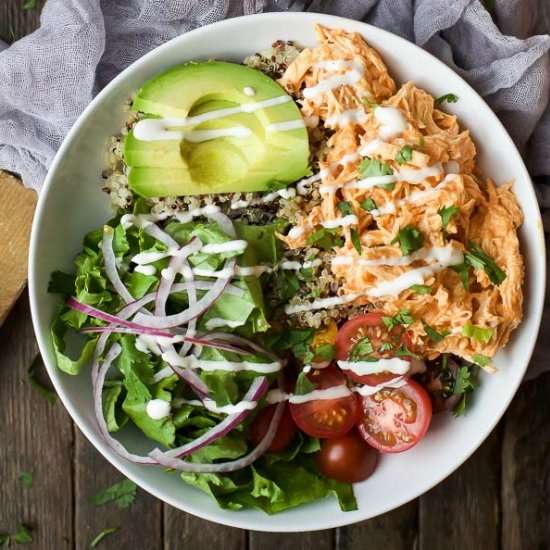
[239,149]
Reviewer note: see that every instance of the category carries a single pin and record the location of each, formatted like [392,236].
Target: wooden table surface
[500,498]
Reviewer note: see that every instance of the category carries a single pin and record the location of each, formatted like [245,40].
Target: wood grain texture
[526,468]
[15,22]
[318,540]
[397,530]
[463,512]
[35,436]
[140,524]
[183,530]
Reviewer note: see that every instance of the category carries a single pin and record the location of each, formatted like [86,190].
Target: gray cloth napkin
[48,77]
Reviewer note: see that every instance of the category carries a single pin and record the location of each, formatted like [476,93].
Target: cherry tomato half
[395,419]
[284,434]
[370,325]
[348,458]
[326,417]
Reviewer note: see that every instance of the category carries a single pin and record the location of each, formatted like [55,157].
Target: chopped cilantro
[373,167]
[326,352]
[345,208]
[295,340]
[479,260]
[421,289]
[26,480]
[463,271]
[446,213]
[386,346]
[433,334]
[355,240]
[369,205]
[479,334]
[325,239]
[404,155]
[104,534]
[404,351]
[46,393]
[481,360]
[122,494]
[449,98]
[402,318]
[361,349]
[409,238]
[465,382]
[304,384]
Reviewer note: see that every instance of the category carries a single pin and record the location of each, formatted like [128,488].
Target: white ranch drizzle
[229,246]
[282,193]
[296,266]
[353,116]
[210,404]
[218,322]
[347,79]
[392,122]
[249,91]
[286,126]
[371,390]
[394,365]
[346,221]
[191,362]
[323,303]
[141,220]
[408,175]
[145,269]
[157,409]
[152,129]
[329,189]
[188,216]
[159,129]
[370,147]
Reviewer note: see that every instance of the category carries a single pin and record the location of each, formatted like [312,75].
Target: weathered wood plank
[395,530]
[15,22]
[140,525]
[526,468]
[35,436]
[183,530]
[463,511]
[317,540]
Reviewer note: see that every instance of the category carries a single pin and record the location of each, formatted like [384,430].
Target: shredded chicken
[342,83]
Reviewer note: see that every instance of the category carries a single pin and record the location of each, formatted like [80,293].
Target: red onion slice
[232,466]
[112,354]
[241,341]
[110,264]
[192,297]
[191,312]
[255,392]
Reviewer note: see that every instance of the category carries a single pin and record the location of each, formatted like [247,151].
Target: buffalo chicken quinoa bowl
[304,266]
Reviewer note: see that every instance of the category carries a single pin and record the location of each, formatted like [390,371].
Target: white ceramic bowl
[72,203]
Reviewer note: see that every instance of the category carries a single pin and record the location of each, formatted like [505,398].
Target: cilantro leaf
[304,384]
[326,239]
[421,289]
[373,167]
[386,346]
[122,494]
[105,533]
[402,318]
[409,238]
[26,480]
[465,382]
[295,340]
[46,393]
[326,352]
[446,213]
[404,155]
[355,240]
[449,98]
[479,334]
[404,351]
[463,271]
[481,360]
[369,205]
[22,535]
[479,260]
[433,334]
[361,349]
[345,208]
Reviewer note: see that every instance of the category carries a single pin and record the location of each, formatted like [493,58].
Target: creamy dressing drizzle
[394,365]
[285,126]
[185,217]
[392,122]
[218,322]
[153,129]
[347,79]
[210,404]
[191,362]
[229,246]
[157,409]
[161,129]
[249,91]
[281,193]
[349,116]
[346,221]
[145,269]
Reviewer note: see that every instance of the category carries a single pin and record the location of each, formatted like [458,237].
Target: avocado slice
[260,160]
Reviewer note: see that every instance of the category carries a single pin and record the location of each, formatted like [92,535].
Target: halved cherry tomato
[284,434]
[370,325]
[348,458]
[326,417]
[395,419]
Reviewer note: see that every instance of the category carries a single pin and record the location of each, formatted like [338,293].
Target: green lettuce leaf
[64,362]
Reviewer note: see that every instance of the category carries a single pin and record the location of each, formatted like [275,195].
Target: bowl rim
[231,518]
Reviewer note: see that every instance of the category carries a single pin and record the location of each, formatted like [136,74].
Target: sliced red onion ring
[232,466]
[110,264]
[191,312]
[104,316]
[239,340]
[192,379]
[192,296]
[112,354]
[255,392]
[224,222]
[167,278]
